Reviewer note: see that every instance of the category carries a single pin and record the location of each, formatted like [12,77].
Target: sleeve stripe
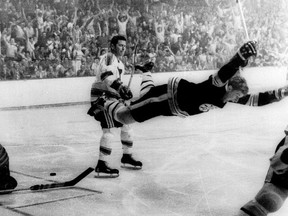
[105,75]
[253,100]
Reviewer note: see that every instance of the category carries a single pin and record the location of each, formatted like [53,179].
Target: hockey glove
[247,50]
[145,68]
[124,91]
[283,92]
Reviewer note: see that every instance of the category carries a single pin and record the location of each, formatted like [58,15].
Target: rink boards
[25,93]
[204,165]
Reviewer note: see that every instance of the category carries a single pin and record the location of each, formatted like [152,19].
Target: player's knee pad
[126,133]
[252,208]
[270,197]
[106,138]
[126,129]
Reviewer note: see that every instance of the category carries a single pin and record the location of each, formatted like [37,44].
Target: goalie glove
[282,92]
[124,92]
[247,50]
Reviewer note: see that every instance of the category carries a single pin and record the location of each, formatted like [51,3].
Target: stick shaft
[63,184]
[133,69]
[243,20]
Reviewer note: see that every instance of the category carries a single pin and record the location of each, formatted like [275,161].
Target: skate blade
[130,167]
[106,175]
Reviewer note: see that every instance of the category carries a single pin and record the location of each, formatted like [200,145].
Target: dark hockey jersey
[261,99]
[201,97]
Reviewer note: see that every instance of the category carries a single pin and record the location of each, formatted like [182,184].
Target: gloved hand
[124,92]
[247,50]
[283,92]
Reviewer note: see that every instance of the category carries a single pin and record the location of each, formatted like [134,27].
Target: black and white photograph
[143,107]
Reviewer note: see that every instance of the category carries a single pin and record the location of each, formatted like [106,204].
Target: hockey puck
[52,174]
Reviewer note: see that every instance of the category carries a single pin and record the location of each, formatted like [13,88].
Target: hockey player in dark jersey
[182,98]
[7,182]
[274,192]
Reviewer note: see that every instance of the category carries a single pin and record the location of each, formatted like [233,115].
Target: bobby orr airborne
[182,98]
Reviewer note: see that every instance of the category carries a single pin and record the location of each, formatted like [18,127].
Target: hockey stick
[63,184]
[53,185]
[133,69]
[243,20]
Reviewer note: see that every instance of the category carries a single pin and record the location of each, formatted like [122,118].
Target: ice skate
[129,162]
[103,170]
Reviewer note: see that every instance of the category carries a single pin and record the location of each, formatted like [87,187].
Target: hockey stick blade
[63,184]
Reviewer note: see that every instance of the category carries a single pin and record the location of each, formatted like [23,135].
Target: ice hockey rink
[205,165]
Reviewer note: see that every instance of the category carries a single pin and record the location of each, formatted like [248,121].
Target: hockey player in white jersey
[274,192]
[109,86]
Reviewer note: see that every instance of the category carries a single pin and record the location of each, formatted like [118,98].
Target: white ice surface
[205,165]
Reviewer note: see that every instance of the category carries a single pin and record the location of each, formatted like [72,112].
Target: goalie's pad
[271,197]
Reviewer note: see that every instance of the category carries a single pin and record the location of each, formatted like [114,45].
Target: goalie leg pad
[252,208]
[271,197]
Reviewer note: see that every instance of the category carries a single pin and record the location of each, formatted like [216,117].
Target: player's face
[234,95]
[120,48]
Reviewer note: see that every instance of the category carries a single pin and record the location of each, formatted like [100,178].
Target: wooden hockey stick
[243,19]
[63,184]
[53,185]
[133,69]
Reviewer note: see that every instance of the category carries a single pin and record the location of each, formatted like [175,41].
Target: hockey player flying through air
[182,98]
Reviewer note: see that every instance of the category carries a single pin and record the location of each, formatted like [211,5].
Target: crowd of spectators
[66,38]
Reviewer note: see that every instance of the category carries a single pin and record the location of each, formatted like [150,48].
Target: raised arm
[109,79]
[240,59]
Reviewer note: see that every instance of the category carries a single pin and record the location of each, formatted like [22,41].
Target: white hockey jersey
[110,69]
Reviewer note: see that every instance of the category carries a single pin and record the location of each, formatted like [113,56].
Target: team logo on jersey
[206,107]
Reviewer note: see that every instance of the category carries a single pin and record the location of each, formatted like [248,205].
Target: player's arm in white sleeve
[111,77]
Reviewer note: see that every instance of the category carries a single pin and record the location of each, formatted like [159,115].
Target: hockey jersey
[194,98]
[262,98]
[110,68]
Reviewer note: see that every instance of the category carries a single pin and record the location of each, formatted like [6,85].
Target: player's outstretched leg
[129,162]
[103,168]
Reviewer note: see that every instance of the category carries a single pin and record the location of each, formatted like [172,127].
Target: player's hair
[239,83]
[116,38]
